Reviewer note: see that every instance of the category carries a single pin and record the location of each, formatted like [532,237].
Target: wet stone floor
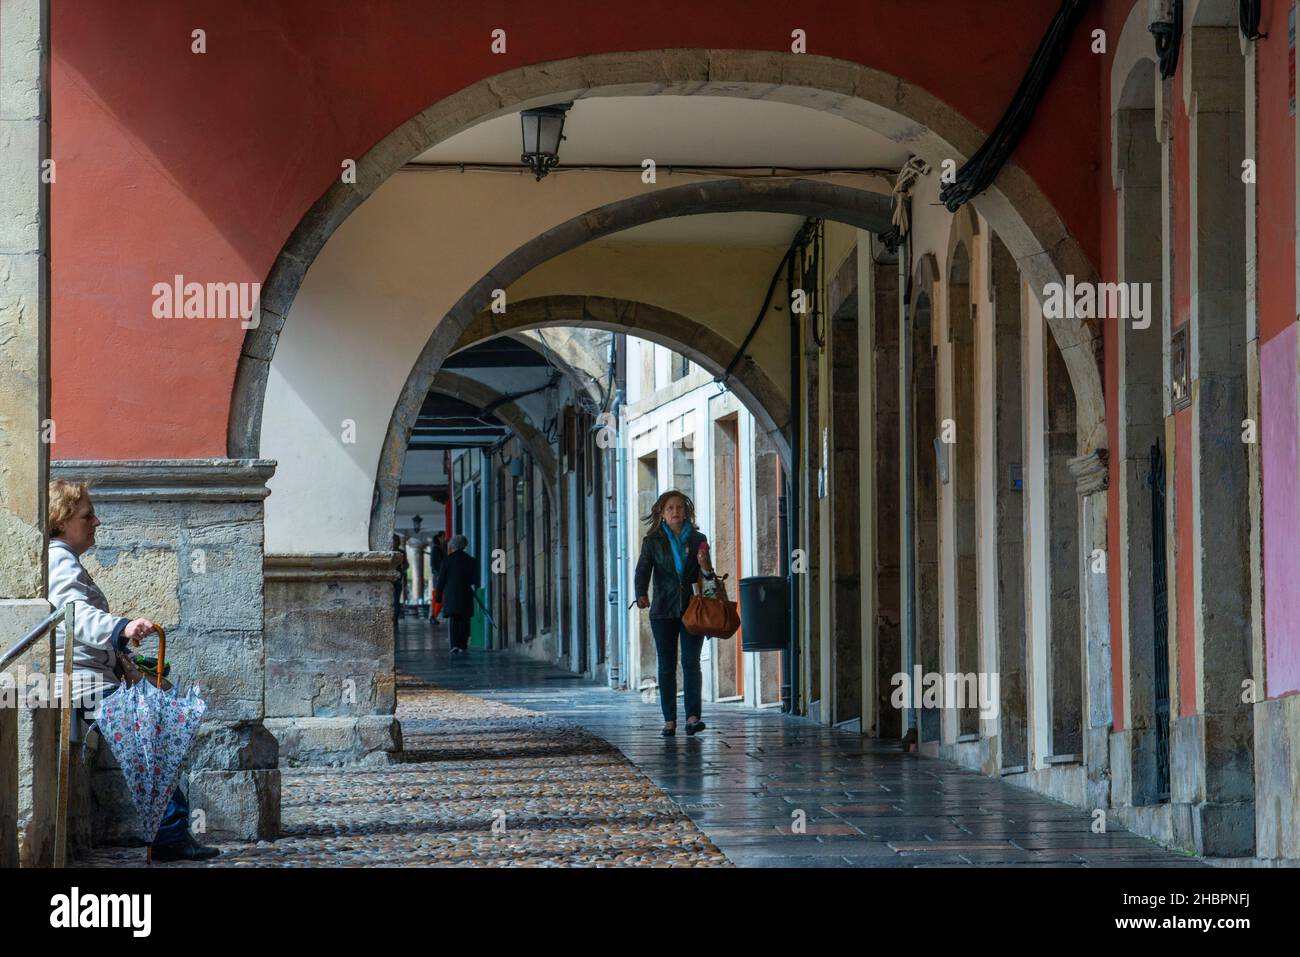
[511,762]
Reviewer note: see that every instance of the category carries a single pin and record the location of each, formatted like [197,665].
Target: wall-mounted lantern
[1166,25]
[543,129]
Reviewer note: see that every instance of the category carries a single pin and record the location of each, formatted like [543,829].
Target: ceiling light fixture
[543,129]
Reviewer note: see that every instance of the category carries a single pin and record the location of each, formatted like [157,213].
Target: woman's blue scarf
[677,545]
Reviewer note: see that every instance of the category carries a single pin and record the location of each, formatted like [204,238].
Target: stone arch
[1132,49]
[924,487]
[1042,243]
[575,359]
[751,383]
[478,393]
[854,207]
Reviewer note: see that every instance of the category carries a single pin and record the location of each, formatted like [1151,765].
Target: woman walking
[675,553]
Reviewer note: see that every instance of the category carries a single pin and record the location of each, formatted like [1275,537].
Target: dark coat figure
[399,583]
[457,580]
[672,592]
[674,561]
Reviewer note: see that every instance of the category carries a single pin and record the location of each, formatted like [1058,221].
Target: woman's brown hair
[656,516]
[64,497]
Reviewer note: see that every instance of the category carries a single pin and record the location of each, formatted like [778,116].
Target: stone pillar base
[182,545]
[1224,830]
[237,809]
[1277,778]
[365,739]
[331,690]
[235,805]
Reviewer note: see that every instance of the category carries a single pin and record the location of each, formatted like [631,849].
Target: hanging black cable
[800,240]
[1169,38]
[1249,12]
[979,172]
[814,269]
[503,399]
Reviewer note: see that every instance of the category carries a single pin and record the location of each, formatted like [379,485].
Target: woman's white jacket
[98,638]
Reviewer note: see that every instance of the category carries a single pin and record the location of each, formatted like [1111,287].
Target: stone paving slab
[867,803]
[580,776]
[558,795]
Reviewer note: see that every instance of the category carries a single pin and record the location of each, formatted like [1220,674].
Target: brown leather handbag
[711,617]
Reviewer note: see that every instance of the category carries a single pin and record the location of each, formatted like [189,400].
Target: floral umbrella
[150,732]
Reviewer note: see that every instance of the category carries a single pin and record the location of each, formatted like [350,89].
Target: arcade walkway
[743,778]
[574,774]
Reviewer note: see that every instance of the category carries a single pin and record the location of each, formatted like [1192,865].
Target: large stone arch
[855,207]
[580,364]
[479,393]
[702,345]
[1014,205]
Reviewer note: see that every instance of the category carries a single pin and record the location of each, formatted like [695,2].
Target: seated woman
[99,656]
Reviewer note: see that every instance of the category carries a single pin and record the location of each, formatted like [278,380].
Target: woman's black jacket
[457,579]
[672,592]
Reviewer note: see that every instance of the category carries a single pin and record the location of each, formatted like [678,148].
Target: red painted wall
[173,162]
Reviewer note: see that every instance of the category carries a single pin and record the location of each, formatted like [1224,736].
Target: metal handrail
[67,614]
[29,639]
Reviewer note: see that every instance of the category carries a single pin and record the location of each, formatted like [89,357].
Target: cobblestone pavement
[864,803]
[584,778]
[483,783]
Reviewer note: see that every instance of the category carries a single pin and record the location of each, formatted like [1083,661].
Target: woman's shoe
[668,732]
[693,726]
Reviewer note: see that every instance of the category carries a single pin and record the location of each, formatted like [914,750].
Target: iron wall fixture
[1167,28]
[543,129]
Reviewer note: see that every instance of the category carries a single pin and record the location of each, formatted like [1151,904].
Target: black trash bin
[764,613]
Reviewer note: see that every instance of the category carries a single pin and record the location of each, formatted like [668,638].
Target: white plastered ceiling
[397,265]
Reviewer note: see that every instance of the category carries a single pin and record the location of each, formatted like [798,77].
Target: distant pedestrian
[437,555]
[457,580]
[399,583]
[675,553]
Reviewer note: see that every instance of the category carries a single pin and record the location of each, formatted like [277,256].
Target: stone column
[843,572]
[881,570]
[1212,748]
[330,689]
[1092,479]
[181,544]
[415,555]
[24,379]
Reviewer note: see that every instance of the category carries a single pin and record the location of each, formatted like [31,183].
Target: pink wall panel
[1281,457]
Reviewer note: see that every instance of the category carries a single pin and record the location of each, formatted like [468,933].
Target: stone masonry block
[369,739]
[235,805]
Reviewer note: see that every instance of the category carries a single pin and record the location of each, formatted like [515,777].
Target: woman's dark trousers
[459,631]
[667,631]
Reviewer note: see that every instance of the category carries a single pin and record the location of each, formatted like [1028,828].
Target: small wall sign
[1180,386]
